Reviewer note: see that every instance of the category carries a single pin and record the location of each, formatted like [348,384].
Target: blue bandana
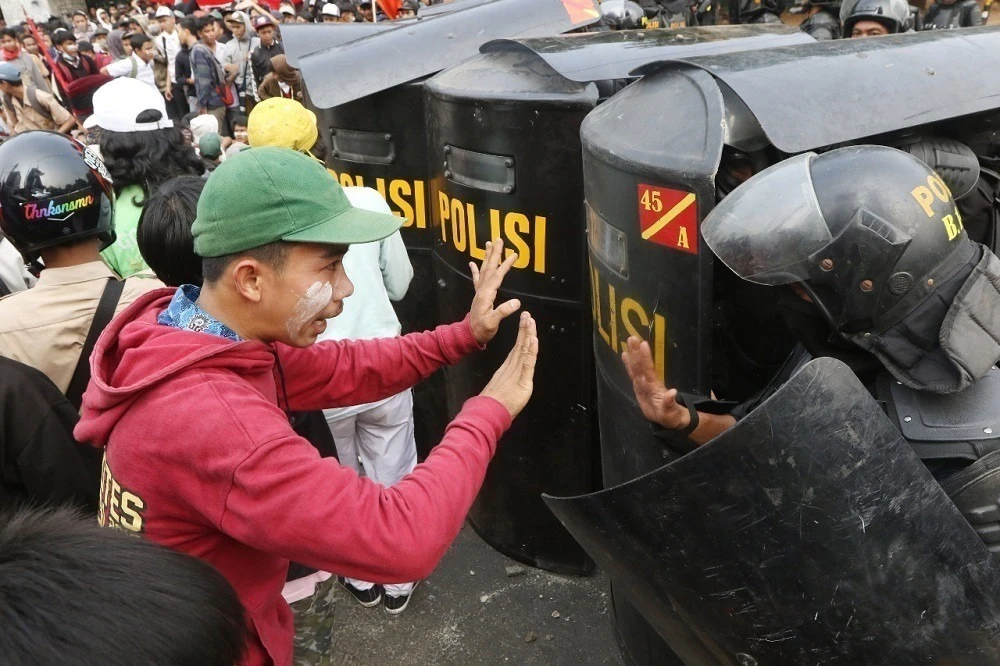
[183,312]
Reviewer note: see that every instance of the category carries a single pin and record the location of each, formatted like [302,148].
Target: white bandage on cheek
[309,306]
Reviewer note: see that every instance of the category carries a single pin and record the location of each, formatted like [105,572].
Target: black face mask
[813,333]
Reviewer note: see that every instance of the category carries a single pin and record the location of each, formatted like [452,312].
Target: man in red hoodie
[191,390]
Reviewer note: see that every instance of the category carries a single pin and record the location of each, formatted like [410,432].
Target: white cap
[286,9]
[202,125]
[118,103]
[163,11]
[330,9]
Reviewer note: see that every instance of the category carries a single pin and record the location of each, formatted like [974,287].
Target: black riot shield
[649,275]
[648,191]
[348,71]
[808,533]
[506,163]
[379,139]
[380,142]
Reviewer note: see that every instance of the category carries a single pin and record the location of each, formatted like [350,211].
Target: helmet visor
[766,230]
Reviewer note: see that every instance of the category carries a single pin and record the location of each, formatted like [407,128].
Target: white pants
[379,441]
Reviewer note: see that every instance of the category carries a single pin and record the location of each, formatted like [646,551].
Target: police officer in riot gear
[823,20]
[761,11]
[622,15]
[973,186]
[946,14]
[874,268]
[873,18]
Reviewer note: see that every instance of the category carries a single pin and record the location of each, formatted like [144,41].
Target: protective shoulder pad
[971,415]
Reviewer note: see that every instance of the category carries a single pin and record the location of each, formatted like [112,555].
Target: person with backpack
[212,89]
[25,107]
[78,73]
[137,66]
[51,184]
[168,46]
[40,461]
[236,59]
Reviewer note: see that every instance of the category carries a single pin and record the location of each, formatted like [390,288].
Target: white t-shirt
[12,270]
[169,44]
[143,70]
[380,271]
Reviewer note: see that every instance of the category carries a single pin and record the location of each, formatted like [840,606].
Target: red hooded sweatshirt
[200,457]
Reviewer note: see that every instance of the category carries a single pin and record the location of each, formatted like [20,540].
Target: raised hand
[657,402]
[513,382]
[483,317]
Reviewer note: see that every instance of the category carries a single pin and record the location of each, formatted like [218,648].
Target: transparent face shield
[768,227]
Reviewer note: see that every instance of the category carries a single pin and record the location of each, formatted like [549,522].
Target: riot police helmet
[53,191]
[859,227]
[736,167]
[872,236]
[622,14]
[893,15]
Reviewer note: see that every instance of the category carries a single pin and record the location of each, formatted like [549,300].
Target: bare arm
[659,404]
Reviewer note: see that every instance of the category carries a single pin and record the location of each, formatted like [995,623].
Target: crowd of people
[220,62]
[172,250]
[254,277]
[122,129]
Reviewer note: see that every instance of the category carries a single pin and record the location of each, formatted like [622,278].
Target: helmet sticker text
[55,208]
[936,189]
[96,163]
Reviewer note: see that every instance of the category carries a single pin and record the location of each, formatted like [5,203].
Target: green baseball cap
[262,195]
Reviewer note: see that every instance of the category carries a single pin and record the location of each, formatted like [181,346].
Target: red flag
[581,11]
[390,7]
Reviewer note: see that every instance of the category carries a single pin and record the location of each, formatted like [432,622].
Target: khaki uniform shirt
[28,118]
[45,327]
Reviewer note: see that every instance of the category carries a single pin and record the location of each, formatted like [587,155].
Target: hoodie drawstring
[284,388]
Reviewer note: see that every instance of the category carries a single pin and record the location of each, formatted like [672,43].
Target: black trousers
[177,107]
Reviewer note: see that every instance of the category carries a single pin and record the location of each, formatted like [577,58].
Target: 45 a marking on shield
[669,217]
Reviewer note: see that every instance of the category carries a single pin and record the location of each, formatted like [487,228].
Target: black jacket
[182,71]
[39,459]
[260,59]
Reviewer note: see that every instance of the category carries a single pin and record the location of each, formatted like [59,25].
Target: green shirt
[123,255]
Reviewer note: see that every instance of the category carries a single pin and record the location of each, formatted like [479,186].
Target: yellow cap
[284,123]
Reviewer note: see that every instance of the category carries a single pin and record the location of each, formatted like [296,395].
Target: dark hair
[273,254]
[60,37]
[8,32]
[74,592]
[240,120]
[84,46]
[164,231]
[137,39]
[190,23]
[148,159]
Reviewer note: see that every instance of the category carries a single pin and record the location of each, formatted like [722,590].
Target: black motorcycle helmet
[862,229]
[622,14]
[893,14]
[53,191]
